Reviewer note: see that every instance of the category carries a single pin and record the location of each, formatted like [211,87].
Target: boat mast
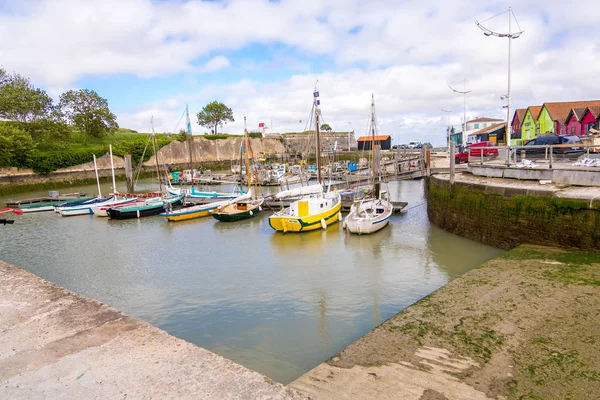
[112,168]
[316,107]
[373,138]
[247,145]
[189,134]
[97,179]
[156,154]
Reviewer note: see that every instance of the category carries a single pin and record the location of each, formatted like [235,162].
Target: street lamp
[447,123]
[510,35]
[464,93]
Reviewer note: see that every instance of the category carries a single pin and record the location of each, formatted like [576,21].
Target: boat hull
[287,223]
[355,223]
[231,214]
[142,211]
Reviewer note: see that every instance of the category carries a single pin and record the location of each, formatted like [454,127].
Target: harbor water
[277,303]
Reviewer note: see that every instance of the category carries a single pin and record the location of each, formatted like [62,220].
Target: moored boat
[188,213]
[148,208]
[318,209]
[50,205]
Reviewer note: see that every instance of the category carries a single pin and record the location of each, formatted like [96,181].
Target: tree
[16,146]
[88,112]
[31,107]
[215,114]
[326,128]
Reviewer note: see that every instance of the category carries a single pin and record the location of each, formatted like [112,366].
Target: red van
[489,149]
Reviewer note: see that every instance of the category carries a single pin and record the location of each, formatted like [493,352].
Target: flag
[318,102]
[316,94]
[261,125]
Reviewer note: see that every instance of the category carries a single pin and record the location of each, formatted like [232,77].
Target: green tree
[215,114]
[326,128]
[16,146]
[22,102]
[88,112]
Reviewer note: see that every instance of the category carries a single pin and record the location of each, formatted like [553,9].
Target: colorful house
[530,128]
[517,123]
[493,133]
[553,115]
[573,121]
[590,119]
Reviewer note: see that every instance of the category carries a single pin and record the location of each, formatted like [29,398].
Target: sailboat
[86,207]
[153,206]
[192,192]
[318,209]
[245,206]
[372,213]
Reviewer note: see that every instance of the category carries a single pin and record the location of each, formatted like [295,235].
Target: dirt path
[524,326]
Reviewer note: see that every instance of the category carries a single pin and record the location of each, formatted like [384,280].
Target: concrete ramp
[55,344]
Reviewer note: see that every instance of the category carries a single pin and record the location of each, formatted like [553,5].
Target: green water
[278,304]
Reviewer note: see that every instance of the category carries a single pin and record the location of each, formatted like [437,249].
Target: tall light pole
[447,123]
[510,35]
[464,93]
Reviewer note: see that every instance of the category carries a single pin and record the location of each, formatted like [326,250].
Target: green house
[530,128]
[545,121]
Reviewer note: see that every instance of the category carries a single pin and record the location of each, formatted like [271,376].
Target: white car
[413,145]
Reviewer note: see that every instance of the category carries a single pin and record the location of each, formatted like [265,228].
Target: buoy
[323,223]
[344,225]
[259,208]
[138,213]
[250,213]
[340,217]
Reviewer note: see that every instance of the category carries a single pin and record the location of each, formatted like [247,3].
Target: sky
[149,58]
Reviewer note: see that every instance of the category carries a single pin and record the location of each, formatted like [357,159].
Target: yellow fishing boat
[308,214]
[199,211]
[317,210]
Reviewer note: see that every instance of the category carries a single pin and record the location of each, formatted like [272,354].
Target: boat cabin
[313,206]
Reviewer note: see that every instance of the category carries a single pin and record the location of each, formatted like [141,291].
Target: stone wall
[512,217]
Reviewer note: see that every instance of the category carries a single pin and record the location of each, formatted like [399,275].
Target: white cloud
[405,52]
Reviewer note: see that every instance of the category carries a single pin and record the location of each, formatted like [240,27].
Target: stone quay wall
[506,216]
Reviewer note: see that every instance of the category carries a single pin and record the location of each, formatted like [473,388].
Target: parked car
[488,149]
[414,145]
[544,140]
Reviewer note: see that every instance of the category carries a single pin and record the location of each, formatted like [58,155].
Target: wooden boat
[53,197]
[146,209]
[245,206]
[102,211]
[198,211]
[372,213]
[194,193]
[316,211]
[51,205]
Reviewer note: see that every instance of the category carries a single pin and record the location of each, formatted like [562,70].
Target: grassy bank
[523,326]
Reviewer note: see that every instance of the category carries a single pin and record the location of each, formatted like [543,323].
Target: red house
[573,122]
[517,122]
[580,120]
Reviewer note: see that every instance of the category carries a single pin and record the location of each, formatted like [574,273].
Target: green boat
[49,205]
[242,209]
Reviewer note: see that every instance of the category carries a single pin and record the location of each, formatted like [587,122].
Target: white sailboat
[370,214]
[316,211]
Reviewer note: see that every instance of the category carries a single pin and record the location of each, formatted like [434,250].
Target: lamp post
[510,35]
[464,93]
[447,124]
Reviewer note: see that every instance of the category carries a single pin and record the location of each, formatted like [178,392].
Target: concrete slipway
[55,344]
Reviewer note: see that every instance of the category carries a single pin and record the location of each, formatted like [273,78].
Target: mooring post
[129,173]
[452,151]
[428,161]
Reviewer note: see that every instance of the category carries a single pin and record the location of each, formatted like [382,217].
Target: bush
[44,163]
[16,146]
[255,134]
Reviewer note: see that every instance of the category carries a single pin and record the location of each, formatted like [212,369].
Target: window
[572,130]
[485,125]
[476,126]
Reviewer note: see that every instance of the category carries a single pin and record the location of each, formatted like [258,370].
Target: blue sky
[263,58]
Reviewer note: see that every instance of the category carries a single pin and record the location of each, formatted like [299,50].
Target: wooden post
[129,173]
[452,151]
[422,161]
[428,161]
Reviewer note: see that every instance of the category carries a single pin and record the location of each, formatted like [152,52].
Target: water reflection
[277,303]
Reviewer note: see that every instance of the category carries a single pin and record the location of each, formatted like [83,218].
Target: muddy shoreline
[523,326]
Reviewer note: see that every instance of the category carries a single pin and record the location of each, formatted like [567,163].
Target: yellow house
[530,127]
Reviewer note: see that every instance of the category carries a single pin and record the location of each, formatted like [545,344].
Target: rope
[503,12]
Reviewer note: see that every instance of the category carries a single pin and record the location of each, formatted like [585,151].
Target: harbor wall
[507,216]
